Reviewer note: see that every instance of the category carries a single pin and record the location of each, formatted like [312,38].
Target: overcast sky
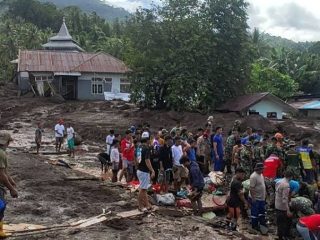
[298,20]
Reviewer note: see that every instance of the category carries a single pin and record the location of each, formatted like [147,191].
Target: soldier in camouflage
[293,161]
[246,157]
[301,206]
[236,125]
[231,141]
[258,154]
[274,149]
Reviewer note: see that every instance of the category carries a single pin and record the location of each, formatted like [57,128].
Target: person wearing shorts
[143,173]
[59,134]
[127,151]
[235,198]
[180,173]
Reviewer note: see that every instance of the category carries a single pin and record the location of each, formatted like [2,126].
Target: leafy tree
[264,79]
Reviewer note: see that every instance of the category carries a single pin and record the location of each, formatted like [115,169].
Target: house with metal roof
[264,104]
[310,108]
[63,67]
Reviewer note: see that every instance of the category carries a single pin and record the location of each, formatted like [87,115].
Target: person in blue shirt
[191,152]
[218,150]
[196,182]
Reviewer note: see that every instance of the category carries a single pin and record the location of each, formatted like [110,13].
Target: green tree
[264,79]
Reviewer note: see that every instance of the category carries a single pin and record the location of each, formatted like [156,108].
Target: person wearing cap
[305,154]
[282,207]
[257,196]
[6,180]
[59,134]
[246,157]
[309,227]
[236,197]
[293,161]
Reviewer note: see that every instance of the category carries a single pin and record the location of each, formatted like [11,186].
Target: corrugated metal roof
[311,105]
[59,61]
[242,102]
[59,45]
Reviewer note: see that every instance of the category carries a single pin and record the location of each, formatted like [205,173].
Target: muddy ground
[45,198]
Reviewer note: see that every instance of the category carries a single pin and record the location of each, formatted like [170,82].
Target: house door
[69,87]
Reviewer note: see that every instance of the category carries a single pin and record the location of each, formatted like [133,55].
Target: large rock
[57,99]
[78,140]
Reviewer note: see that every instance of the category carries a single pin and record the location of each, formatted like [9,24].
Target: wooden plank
[93,221]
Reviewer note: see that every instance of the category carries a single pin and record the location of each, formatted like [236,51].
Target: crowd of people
[270,170]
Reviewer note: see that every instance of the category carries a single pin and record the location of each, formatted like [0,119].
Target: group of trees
[185,54]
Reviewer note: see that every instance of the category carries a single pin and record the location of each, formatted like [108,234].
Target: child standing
[115,159]
[196,182]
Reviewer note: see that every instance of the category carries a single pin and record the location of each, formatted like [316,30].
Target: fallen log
[81,178]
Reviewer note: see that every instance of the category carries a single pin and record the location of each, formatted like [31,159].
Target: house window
[44,78]
[272,115]
[124,85]
[97,86]
[108,84]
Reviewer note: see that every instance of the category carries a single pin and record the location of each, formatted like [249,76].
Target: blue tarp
[311,105]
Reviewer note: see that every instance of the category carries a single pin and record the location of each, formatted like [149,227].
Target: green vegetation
[185,54]
[103,10]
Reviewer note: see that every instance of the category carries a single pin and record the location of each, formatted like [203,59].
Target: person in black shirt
[166,164]
[235,198]
[143,173]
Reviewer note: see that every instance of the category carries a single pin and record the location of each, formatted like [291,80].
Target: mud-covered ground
[45,197]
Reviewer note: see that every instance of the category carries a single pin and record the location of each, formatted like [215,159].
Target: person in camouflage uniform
[258,154]
[231,141]
[292,161]
[246,157]
[301,206]
[236,125]
[274,149]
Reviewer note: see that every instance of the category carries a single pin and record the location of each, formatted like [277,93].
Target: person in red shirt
[272,165]
[309,227]
[127,153]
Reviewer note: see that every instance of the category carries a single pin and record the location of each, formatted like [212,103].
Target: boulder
[78,140]
[57,99]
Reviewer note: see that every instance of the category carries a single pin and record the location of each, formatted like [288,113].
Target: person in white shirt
[70,139]
[145,134]
[109,141]
[59,134]
[115,160]
[180,173]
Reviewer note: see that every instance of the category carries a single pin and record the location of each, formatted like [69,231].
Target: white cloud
[293,19]
[298,20]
